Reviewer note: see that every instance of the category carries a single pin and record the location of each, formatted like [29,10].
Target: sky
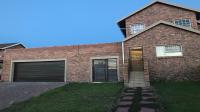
[42,23]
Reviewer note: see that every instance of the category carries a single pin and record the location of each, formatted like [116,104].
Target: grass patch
[179,96]
[82,97]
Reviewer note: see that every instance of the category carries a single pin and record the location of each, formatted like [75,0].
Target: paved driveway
[15,92]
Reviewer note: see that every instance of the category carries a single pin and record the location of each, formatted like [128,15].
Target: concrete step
[133,85]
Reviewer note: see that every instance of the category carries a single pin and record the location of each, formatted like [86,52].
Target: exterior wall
[1,54]
[159,12]
[168,68]
[78,58]
[14,47]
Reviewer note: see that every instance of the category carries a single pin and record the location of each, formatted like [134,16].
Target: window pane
[183,22]
[169,50]
[105,70]
[160,51]
[172,48]
[99,70]
[112,70]
[135,28]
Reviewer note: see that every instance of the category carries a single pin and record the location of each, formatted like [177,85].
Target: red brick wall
[169,68]
[78,58]
[1,54]
[159,12]
[14,47]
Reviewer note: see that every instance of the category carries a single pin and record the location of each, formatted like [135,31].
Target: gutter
[123,52]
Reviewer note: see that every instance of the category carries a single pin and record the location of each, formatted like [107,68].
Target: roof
[9,45]
[121,22]
[165,23]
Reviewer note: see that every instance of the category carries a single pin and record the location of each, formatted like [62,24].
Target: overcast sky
[39,23]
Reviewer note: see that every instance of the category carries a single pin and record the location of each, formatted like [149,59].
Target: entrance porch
[137,69]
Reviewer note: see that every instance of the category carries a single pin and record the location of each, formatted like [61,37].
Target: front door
[136,59]
[105,70]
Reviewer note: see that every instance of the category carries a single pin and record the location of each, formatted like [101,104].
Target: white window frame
[161,51]
[181,20]
[139,26]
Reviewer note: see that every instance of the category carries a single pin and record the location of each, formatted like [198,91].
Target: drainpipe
[123,52]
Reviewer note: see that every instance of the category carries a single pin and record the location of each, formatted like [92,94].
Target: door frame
[12,67]
[103,57]
[135,48]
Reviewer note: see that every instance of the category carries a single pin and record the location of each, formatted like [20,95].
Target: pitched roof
[165,23]
[121,22]
[8,45]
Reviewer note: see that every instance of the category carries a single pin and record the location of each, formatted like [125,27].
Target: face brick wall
[1,54]
[78,58]
[159,12]
[169,68]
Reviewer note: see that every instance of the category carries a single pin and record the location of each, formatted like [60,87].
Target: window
[183,22]
[105,70]
[135,28]
[169,50]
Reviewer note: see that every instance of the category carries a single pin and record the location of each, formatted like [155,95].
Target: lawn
[179,96]
[82,97]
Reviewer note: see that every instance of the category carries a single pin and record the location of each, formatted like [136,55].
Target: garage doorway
[39,71]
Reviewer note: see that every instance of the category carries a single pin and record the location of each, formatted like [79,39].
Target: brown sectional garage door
[45,71]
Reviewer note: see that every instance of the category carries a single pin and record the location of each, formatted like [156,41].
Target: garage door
[46,71]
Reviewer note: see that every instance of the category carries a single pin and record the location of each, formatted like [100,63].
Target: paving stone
[127,98]
[147,110]
[122,109]
[147,91]
[129,91]
[147,97]
[147,94]
[148,105]
[125,103]
[145,102]
[128,94]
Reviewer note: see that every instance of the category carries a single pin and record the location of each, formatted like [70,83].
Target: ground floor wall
[167,68]
[78,59]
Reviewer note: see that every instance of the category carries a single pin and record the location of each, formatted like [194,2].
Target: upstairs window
[183,22]
[169,50]
[135,28]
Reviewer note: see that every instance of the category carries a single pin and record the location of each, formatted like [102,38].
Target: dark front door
[136,60]
[47,71]
[105,70]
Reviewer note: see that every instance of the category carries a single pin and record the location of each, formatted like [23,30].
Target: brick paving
[147,103]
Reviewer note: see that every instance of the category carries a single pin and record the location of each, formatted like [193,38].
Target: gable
[155,10]
[170,25]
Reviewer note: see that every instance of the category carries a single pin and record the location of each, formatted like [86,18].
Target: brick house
[3,48]
[161,43]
